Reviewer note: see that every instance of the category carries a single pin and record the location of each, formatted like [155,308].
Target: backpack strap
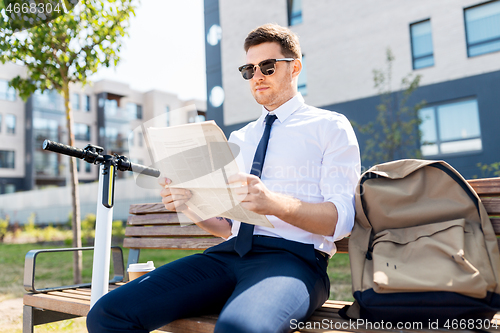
[459,181]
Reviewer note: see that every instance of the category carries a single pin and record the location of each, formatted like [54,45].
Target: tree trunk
[75,195]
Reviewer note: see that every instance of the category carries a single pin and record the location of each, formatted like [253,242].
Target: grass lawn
[55,269]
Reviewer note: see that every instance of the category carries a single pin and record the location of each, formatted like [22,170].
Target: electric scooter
[109,166]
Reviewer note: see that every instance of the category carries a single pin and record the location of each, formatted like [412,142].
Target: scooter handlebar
[63,149]
[80,153]
[144,170]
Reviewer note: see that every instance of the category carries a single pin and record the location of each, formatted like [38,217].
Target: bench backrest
[151,226]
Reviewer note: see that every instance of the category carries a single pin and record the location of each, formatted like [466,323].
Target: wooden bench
[150,226]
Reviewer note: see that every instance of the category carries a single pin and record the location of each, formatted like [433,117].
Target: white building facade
[105,113]
[453,44]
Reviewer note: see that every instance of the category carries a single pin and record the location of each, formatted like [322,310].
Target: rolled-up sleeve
[340,171]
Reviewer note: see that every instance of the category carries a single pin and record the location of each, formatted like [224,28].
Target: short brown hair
[271,32]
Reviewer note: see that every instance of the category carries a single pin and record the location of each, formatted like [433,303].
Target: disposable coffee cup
[138,270]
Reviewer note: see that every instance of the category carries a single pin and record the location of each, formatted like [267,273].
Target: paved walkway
[12,315]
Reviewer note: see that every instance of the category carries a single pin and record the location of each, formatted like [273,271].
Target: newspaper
[198,157]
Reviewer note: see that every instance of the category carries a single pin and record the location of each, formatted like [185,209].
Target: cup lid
[149,266]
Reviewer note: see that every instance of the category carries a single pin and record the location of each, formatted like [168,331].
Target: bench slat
[171,243]
[342,245]
[69,295]
[149,208]
[485,185]
[159,218]
[159,231]
[492,205]
[59,304]
[202,324]
[495,221]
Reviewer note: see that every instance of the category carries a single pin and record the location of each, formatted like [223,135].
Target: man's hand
[319,218]
[174,198]
[253,194]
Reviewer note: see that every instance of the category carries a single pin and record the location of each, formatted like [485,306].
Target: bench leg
[34,316]
[28,319]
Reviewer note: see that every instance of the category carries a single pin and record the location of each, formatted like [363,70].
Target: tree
[394,134]
[64,51]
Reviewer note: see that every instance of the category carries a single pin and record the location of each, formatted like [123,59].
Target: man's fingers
[180,197]
[241,197]
[174,206]
[175,191]
[163,181]
[175,203]
[242,190]
[242,178]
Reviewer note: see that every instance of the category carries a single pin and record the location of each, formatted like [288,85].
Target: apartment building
[453,44]
[107,113]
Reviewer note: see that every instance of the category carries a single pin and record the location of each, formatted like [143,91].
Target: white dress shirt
[312,155]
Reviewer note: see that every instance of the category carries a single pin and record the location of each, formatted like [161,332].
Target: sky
[165,50]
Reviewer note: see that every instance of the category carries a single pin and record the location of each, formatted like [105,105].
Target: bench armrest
[30,263]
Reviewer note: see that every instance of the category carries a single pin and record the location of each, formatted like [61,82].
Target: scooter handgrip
[145,170]
[63,149]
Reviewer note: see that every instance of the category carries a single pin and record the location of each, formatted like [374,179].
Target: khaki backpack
[422,247]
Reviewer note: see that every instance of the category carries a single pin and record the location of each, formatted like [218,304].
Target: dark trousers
[277,281]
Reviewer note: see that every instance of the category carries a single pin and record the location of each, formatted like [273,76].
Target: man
[303,164]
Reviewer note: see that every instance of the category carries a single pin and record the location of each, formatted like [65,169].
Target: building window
[10,121]
[86,103]
[140,140]
[7,159]
[50,100]
[44,128]
[110,107]
[134,110]
[302,81]
[10,188]
[482,28]
[195,117]
[294,12]
[77,161]
[450,128]
[131,139]
[139,111]
[47,165]
[88,167]
[167,112]
[82,132]
[75,101]
[421,44]
[6,92]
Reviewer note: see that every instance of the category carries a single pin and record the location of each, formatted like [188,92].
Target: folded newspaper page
[198,157]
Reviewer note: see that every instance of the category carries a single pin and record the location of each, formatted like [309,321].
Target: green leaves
[68,49]
[394,134]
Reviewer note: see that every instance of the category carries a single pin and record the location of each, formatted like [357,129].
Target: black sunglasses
[267,67]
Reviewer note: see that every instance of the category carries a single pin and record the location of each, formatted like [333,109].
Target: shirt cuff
[345,222]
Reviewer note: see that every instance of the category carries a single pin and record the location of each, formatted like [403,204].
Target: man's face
[272,91]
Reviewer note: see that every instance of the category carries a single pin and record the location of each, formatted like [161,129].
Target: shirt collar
[284,110]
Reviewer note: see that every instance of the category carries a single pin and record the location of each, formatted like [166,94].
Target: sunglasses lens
[247,72]
[267,67]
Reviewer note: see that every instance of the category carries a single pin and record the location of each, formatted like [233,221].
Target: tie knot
[270,118]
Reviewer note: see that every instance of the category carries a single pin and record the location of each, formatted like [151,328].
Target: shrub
[118,229]
[30,227]
[4,225]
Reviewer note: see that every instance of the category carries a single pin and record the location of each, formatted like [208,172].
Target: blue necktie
[243,242]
